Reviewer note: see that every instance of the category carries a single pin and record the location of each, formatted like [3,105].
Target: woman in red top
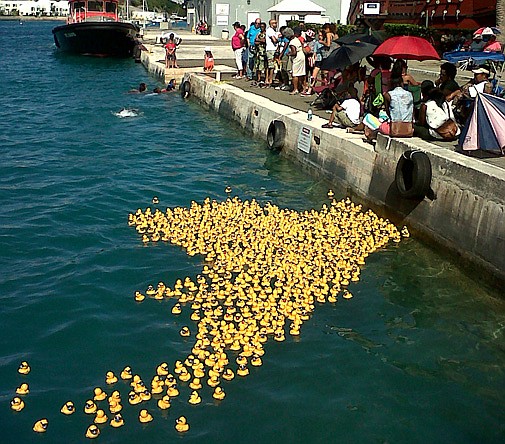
[238,46]
[170,48]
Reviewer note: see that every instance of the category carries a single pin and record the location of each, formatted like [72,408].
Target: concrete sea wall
[466,208]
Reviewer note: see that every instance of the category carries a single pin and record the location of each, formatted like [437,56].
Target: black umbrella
[375,38]
[347,55]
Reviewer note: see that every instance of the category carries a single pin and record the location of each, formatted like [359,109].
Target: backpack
[435,116]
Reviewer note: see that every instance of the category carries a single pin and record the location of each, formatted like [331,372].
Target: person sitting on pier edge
[463,98]
[346,114]
[208,64]
[446,81]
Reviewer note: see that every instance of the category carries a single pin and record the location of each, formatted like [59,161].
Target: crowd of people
[385,98]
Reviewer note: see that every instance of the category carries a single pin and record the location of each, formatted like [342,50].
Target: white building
[35,8]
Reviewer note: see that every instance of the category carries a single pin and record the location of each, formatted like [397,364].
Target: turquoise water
[418,355]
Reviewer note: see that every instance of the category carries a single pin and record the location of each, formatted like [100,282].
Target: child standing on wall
[208,64]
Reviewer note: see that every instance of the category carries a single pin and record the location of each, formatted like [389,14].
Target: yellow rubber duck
[68,408]
[100,395]
[256,361]
[117,421]
[155,200]
[145,395]
[126,373]
[173,391]
[115,396]
[195,384]
[17,404]
[24,368]
[219,393]
[139,297]
[156,387]
[115,407]
[164,403]
[228,374]
[134,398]
[162,369]
[90,407]
[23,389]
[242,370]
[150,291]
[101,417]
[176,309]
[185,332]
[184,375]
[181,424]
[92,432]
[194,398]
[110,378]
[41,425]
[145,416]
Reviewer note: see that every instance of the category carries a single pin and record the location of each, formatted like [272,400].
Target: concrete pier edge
[466,215]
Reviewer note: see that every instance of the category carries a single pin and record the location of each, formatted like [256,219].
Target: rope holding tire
[276,135]
[413,175]
[185,89]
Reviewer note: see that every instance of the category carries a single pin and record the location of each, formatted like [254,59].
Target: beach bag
[435,116]
[448,130]
[401,129]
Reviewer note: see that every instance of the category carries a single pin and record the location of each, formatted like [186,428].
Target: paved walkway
[190,56]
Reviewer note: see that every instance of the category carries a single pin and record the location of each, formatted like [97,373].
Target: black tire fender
[185,89]
[413,175]
[276,135]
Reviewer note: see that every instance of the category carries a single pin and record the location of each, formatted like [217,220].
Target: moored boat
[94,28]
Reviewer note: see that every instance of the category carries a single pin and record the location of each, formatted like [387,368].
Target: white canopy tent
[302,10]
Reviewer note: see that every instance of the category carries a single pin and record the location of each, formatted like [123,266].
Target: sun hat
[207,49]
[481,71]
[310,33]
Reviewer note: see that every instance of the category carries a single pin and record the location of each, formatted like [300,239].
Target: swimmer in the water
[142,88]
[170,86]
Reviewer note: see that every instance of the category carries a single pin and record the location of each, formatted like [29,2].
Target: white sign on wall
[371,8]
[304,139]
[221,20]
[222,9]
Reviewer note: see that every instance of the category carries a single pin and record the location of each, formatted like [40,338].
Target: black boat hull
[105,39]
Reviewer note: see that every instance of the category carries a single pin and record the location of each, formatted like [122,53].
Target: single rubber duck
[145,395]
[41,425]
[92,432]
[195,384]
[134,398]
[176,309]
[115,396]
[115,407]
[181,424]
[17,404]
[90,407]
[68,408]
[126,373]
[139,297]
[195,398]
[155,200]
[185,332]
[24,368]
[173,391]
[117,421]
[110,378]
[100,395]
[164,403]
[162,369]
[145,416]
[101,417]
[23,389]
[219,393]
[242,370]
[228,374]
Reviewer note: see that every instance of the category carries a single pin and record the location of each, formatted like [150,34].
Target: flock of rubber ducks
[266,269]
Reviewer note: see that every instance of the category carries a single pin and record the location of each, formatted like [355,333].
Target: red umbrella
[407,47]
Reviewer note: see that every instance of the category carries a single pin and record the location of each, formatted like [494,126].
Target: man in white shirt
[346,114]
[272,38]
